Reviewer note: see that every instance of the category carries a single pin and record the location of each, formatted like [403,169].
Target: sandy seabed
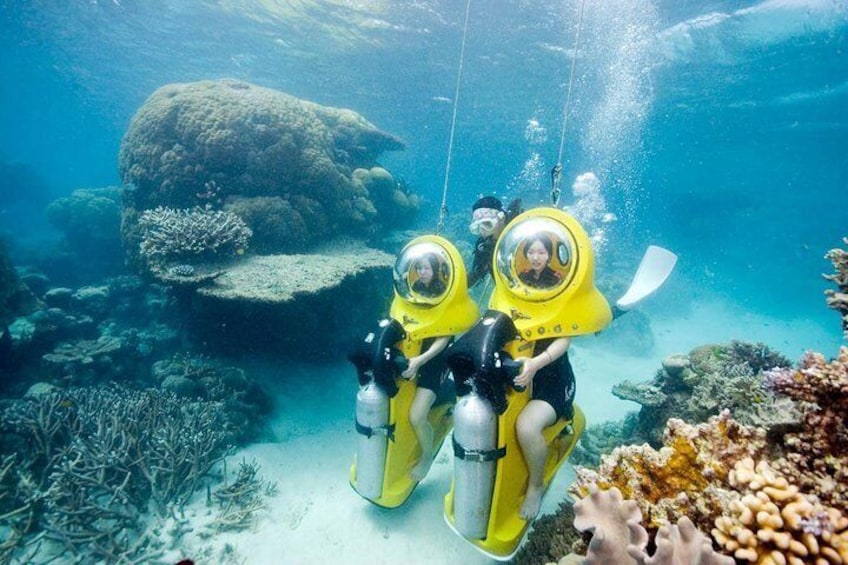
[316,517]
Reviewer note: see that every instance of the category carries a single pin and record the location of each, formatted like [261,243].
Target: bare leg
[418,413]
[535,417]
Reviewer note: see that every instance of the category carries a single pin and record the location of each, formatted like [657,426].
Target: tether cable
[556,172]
[443,209]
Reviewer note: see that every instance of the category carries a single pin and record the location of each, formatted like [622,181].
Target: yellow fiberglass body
[569,305]
[445,310]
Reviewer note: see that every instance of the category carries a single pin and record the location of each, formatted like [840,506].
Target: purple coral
[815,380]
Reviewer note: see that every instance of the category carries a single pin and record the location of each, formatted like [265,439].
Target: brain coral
[247,142]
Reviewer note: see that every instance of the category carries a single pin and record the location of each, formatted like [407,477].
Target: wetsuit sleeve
[482,260]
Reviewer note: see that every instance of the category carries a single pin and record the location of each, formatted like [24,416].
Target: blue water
[717,129]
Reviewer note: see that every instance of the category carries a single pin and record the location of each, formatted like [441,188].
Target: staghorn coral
[239,502]
[771,522]
[816,455]
[96,459]
[684,477]
[191,234]
[838,299]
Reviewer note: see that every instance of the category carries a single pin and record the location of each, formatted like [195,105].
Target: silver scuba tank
[372,419]
[476,433]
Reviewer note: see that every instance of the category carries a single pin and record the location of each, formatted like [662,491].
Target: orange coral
[684,477]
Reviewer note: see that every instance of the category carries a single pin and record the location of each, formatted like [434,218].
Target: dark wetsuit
[548,278]
[555,383]
[482,263]
[435,288]
[431,375]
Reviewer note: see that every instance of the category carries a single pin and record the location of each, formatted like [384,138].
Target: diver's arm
[415,363]
[531,365]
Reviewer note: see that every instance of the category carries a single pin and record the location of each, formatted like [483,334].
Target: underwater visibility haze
[716,129]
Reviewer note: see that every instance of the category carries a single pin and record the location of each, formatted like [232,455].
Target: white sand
[318,518]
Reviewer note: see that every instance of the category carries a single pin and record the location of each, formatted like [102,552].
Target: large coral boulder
[295,169]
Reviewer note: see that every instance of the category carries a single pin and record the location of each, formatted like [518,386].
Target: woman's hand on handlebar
[414,363]
[528,371]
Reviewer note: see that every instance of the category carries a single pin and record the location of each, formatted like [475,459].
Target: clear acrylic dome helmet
[513,267]
[407,277]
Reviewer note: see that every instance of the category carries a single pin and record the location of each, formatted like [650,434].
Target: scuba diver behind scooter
[404,405]
[544,295]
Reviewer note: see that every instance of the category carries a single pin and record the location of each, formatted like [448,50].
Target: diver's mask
[485,221]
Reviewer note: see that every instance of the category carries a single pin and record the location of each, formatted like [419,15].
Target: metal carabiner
[556,176]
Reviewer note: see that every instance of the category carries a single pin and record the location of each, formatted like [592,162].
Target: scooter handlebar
[512,369]
[400,362]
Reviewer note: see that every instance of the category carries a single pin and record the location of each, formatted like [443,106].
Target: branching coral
[239,502]
[98,458]
[194,233]
[771,522]
[816,456]
[838,299]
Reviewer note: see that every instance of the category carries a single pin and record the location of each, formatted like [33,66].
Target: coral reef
[16,298]
[90,218]
[191,235]
[707,474]
[709,379]
[194,376]
[619,538]
[91,335]
[91,461]
[278,227]
[600,439]
[816,453]
[69,359]
[683,477]
[274,279]
[770,521]
[552,537]
[838,299]
[239,502]
[227,142]
[392,202]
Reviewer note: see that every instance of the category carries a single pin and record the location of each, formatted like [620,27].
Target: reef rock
[282,278]
[710,378]
[306,302]
[223,143]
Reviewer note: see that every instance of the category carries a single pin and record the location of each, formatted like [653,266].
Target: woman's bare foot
[422,468]
[532,503]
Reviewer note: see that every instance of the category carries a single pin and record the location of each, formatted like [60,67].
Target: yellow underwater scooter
[490,476]
[387,448]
